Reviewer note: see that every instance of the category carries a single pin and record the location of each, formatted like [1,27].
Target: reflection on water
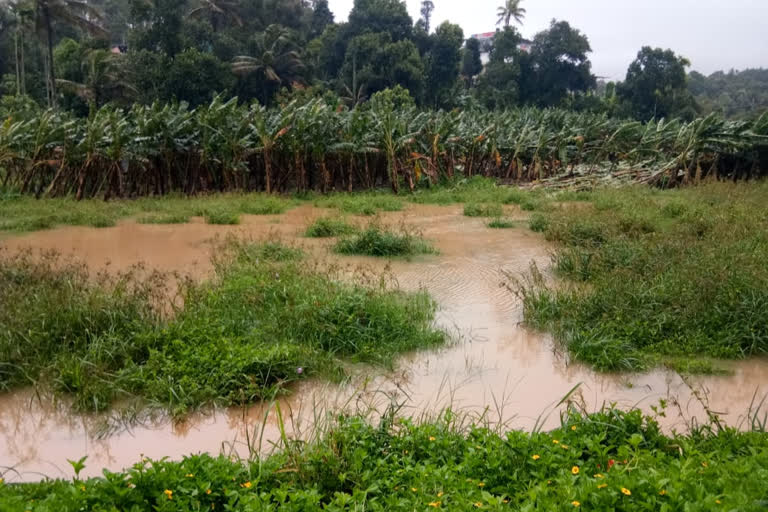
[496,369]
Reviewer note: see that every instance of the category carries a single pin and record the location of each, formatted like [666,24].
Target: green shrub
[222,217]
[501,223]
[326,227]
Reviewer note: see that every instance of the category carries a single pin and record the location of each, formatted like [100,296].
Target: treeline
[316,145]
[81,55]
[735,94]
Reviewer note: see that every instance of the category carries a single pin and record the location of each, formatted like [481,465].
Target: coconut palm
[511,9]
[216,11]
[276,57]
[75,13]
[104,78]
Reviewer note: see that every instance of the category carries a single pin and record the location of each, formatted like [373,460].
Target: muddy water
[496,369]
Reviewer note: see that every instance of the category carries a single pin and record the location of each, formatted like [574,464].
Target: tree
[655,85]
[159,25]
[321,17]
[499,85]
[66,12]
[510,10]
[442,63]
[390,16]
[195,77]
[558,66]
[275,60]
[471,65]
[218,12]
[427,6]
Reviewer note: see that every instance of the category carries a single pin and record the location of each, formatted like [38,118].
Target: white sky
[712,34]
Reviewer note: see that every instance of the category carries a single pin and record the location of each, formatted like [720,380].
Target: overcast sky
[712,34]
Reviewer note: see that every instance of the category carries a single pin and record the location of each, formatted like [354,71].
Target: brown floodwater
[495,370]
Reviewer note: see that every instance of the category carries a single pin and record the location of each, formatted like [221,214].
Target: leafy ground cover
[653,276]
[610,460]
[23,213]
[377,240]
[267,318]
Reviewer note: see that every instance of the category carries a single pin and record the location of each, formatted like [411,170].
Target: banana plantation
[225,146]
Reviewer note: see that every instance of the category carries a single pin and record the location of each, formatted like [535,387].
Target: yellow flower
[718,502]
[481,484]
[663,492]
[1,481]
[247,485]
[440,494]
[505,501]
[575,503]
[478,505]
[431,438]
[555,441]
[190,475]
[575,470]
[602,486]
[704,465]
[434,504]
[536,457]
[208,491]
[599,475]
[168,493]
[397,487]
[82,488]
[414,489]
[626,491]
[573,428]
[564,446]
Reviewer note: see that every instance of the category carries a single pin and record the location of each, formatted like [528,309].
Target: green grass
[327,227]
[673,277]
[502,223]
[379,241]
[483,210]
[239,337]
[25,214]
[362,203]
[609,460]
[222,217]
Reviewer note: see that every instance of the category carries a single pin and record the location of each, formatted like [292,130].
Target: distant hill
[737,94]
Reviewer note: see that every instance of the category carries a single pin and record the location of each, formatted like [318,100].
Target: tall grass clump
[362,203]
[502,223]
[656,276]
[327,227]
[483,210]
[380,241]
[609,460]
[268,317]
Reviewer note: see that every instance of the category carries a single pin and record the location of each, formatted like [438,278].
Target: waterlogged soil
[496,370]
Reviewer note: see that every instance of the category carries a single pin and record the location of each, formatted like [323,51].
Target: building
[486,39]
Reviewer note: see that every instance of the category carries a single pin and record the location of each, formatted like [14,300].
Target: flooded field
[496,368]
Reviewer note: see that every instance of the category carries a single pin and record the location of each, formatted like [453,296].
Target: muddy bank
[496,368]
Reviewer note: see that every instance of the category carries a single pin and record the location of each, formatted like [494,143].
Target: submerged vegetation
[609,460]
[377,240]
[313,145]
[267,318]
[328,227]
[656,276]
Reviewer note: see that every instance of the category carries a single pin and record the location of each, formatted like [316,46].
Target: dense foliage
[609,460]
[266,319]
[317,144]
[658,277]
[735,94]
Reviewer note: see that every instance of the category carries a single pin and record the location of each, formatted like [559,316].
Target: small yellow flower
[397,487]
[718,502]
[573,428]
[505,501]
[626,491]
[440,494]
[555,441]
[1,481]
[564,446]
[536,457]
[434,504]
[704,465]
[213,506]
[414,489]
[575,470]
[481,484]
[478,505]
[208,491]
[575,503]
[405,452]
[549,482]
[82,488]
[189,475]
[431,438]
[602,486]
[247,485]
[168,493]
[599,475]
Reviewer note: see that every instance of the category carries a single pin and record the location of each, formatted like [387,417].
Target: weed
[326,227]
[221,217]
[378,241]
[163,218]
[502,223]
[483,210]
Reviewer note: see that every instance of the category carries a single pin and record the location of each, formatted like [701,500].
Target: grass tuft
[378,241]
[502,223]
[483,210]
[222,217]
[327,227]
[163,218]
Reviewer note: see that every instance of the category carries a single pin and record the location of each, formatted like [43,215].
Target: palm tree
[104,78]
[216,10]
[511,9]
[76,13]
[276,57]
